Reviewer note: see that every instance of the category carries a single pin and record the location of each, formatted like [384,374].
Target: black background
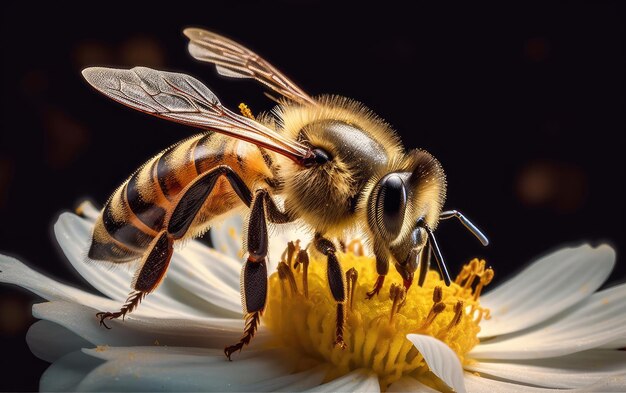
[523,105]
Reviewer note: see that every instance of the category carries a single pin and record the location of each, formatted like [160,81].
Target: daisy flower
[545,329]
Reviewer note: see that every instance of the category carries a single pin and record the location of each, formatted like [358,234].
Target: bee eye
[390,203]
[321,156]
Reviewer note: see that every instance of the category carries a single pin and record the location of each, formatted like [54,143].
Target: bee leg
[148,277]
[424,263]
[197,193]
[336,281]
[157,258]
[254,274]
[382,268]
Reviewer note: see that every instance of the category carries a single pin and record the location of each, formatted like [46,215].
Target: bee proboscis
[337,166]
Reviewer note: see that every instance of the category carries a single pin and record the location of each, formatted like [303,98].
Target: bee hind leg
[336,282]
[148,277]
[132,302]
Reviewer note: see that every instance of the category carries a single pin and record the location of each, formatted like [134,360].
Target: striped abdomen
[142,205]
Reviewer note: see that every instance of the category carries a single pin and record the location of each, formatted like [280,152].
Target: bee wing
[236,61]
[184,99]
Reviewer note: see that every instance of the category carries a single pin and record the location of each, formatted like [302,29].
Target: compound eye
[391,204]
[321,156]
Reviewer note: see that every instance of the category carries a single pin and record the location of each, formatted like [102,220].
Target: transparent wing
[184,99]
[236,61]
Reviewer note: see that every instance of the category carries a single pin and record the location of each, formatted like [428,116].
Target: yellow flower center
[302,315]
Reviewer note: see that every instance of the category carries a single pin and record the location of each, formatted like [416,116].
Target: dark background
[523,105]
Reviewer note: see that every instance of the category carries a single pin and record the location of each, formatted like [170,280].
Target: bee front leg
[382,268]
[336,281]
[424,263]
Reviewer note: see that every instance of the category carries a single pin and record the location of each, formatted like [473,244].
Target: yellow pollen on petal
[375,330]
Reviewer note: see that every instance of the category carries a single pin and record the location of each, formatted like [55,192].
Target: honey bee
[337,166]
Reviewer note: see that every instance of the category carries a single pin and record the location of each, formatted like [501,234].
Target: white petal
[410,384]
[594,322]
[572,371]
[227,236]
[13,271]
[170,299]
[173,369]
[441,360]
[616,383]
[620,343]
[65,374]
[201,272]
[294,382]
[476,384]
[555,282]
[360,380]
[184,369]
[483,385]
[49,341]
[139,330]
[89,210]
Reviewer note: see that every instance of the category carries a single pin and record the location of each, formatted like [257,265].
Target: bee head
[401,204]
[414,190]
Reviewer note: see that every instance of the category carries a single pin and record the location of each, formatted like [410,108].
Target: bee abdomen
[120,223]
[151,191]
[149,213]
[176,167]
[119,235]
[141,207]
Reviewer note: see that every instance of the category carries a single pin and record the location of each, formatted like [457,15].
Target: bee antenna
[466,223]
[438,256]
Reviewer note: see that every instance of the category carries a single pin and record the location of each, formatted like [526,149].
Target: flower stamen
[351,277]
[373,334]
[456,319]
[285,274]
[291,250]
[458,313]
[397,294]
[435,310]
[485,279]
[303,259]
[480,313]
[474,271]
[437,295]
